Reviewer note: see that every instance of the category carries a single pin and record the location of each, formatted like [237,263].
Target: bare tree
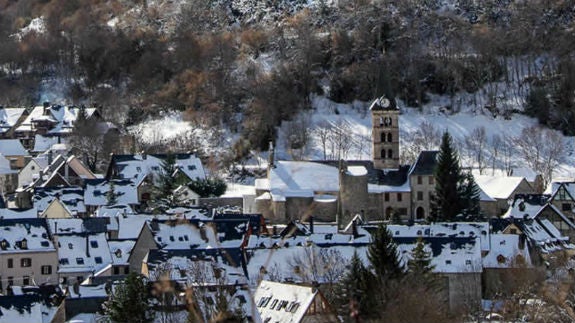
[475,143]
[543,150]
[340,140]
[319,265]
[322,133]
[495,146]
[427,137]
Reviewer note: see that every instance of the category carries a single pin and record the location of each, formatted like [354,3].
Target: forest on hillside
[247,65]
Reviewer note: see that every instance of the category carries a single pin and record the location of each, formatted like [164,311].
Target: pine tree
[420,262]
[383,255]
[166,183]
[129,302]
[471,195]
[447,200]
[352,289]
[111,196]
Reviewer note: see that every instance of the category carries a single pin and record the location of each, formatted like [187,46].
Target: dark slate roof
[375,176]
[426,162]
[2,202]
[47,295]
[532,199]
[232,226]
[96,225]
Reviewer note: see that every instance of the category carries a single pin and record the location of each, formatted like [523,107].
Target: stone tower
[385,133]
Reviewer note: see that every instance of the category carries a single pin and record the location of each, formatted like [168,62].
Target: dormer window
[94,244]
[4,244]
[70,246]
[139,169]
[191,167]
[24,244]
[118,253]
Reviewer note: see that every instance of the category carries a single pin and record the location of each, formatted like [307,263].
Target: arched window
[390,153]
[380,121]
[389,137]
[382,135]
[383,153]
[420,213]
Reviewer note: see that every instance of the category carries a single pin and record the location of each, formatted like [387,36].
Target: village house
[502,189]
[51,121]
[145,170]
[8,177]
[281,302]
[561,195]
[16,154]
[59,202]
[9,119]
[27,254]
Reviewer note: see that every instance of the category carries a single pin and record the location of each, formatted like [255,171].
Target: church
[330,190]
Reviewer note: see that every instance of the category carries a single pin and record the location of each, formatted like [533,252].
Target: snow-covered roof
[88,291]
[18,214]
[12,147]
[9,117]
[28,308]
[129,226]
[197,266]
[188,234]
[83,253]
[33,230]
[507,252]
[277,302]
[448,229]
[113,211]
[120,251]
[63,118]
[300,178]
[498,187]
[78,225]
[44,143]
[71,197]
[137,167]
[96,192]
[5,166]
[448,254]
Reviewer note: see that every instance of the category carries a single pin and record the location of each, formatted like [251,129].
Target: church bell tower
[385,133]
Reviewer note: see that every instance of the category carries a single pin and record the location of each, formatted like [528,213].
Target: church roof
[383,104]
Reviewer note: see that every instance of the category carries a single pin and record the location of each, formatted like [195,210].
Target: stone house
[16,154]
[503,190]
[27,254]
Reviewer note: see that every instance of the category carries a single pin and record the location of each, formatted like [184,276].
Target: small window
[26,280]
[118,253]
[139,169]
[448,262]
[386,197]
[186,237]
[26,262]
[116,270]
[80,279]
[4,244]
[45,244]
[565,207]
[70,246]
[32,167]
[513,231]
[172,238]
[46,270]
[399,197]
[126,270]
[468,262]
[64,261]
[80,261]
[98,260]
[24,244]
[389,153]
[419,180]
[94,244]
[10,281]
[10,263]
[389,137]
[155,168]
[420,196]
[191,167]
[383,153]
[431,180]
[274,302]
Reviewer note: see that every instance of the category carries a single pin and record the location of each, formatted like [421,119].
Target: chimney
[87,245]
[50,157]
[311,224]
[67,172]
[275,230]
[46,106]
[271,156]
[354,228]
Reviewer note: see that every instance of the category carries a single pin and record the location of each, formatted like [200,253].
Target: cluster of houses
[68,235]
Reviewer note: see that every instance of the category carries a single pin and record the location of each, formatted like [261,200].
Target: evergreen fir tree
[447,200]
[471,195]
[420,262]
[353,289]
[383,255]
[111,196]
[166,183]
[129,302]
